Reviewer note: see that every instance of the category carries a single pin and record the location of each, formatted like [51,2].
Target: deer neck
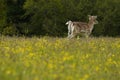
[91,25]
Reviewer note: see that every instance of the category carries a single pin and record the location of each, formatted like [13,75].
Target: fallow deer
[74,28]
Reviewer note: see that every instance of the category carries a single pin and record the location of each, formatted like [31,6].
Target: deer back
[81,27]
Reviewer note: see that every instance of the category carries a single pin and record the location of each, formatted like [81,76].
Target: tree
[15,12]
[107,11]
[2,15]
[48,17]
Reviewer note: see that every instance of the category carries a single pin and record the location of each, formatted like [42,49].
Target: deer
[75,28]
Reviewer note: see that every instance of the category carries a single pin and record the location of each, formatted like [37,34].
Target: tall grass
[59,58]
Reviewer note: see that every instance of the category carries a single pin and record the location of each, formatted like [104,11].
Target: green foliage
[11,12]
[2,14]
[107,12]
[48,17]
[10,30]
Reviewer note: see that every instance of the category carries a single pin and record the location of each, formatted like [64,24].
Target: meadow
[49,58]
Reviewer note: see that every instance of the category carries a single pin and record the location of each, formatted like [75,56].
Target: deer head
[93,19]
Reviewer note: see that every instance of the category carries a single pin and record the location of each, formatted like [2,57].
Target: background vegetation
[59,59]
[48,17]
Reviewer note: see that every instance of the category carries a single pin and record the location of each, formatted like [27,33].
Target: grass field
[59,58]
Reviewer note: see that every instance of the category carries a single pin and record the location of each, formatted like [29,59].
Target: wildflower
[8,72]
[22,50]
[114,62]
[36,78]
[102,48]
[69,78]
[73,65]
[7,55]
[109,60]
[87,56]
[85,77]
[113,55]
[50,65]
[31,54]
[7,48]
[55,76]
[97,68]
[67,57]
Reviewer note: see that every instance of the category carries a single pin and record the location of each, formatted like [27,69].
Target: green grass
[59,58]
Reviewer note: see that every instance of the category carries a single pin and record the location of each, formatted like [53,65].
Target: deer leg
[72,36]
[88,34]
[68,32]
[72,31]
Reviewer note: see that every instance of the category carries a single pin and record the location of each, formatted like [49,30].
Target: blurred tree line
[48,17]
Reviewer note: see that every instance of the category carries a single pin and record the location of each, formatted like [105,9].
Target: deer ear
[95,16]
[89,15]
